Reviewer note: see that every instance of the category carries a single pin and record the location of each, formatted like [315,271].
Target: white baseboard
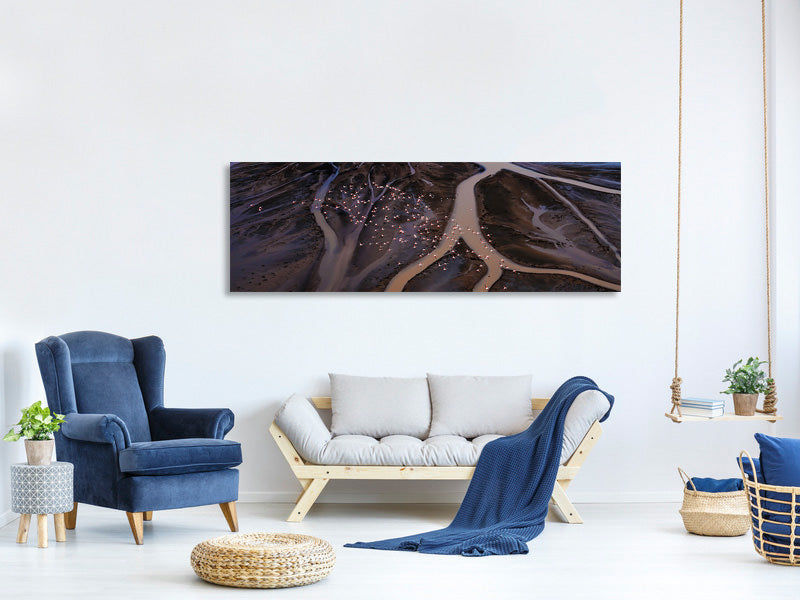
[455,498]
[7,517]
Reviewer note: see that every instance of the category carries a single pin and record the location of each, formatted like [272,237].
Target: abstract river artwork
[425,227]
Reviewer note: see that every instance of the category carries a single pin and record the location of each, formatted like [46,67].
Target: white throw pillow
[380,406]
[473,406]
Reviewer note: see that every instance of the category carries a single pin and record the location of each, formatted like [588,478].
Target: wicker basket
[263,560]
[722,514]
[773,507]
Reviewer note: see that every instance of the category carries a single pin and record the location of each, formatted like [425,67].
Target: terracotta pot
[39,452]
[745,404]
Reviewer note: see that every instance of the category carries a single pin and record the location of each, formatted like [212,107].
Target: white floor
[621,551]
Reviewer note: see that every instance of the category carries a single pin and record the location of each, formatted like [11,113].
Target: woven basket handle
[686,479]
[742,456]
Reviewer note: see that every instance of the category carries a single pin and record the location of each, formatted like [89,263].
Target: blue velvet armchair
[129,451]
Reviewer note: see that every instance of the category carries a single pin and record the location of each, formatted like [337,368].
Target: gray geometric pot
[39,452]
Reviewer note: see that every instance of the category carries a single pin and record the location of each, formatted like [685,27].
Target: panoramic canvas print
[425,227]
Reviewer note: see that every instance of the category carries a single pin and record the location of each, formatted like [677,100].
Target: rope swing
[770,398]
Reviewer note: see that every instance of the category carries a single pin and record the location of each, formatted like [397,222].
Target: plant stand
[41,490]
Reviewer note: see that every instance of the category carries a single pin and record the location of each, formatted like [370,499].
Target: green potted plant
[746,381]
[36,427]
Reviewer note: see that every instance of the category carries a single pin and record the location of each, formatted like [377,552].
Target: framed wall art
[425,227]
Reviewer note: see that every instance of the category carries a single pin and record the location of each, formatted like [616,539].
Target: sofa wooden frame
[313,478]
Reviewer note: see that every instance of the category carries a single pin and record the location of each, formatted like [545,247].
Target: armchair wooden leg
[148,515]
[307,499]
[229,510]
[562,501]
[24,526]
[71,517]
[135,521]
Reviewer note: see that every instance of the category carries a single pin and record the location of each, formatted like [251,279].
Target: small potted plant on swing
[36,427]
[746,381]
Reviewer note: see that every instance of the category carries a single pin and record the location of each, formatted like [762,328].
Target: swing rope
[676,381]
[770,398]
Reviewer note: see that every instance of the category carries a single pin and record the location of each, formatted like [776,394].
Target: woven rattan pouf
[263,560]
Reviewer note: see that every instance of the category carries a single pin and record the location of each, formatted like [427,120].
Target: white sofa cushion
[380,406]
[473,406]
[302,424]
[439,451]
[588,407]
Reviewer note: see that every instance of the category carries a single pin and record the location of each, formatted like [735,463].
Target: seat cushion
[173,457]
[302,424]
[405,450]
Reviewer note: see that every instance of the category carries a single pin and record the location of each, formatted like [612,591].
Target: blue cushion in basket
[780,465]
[707,484]
[780,460]
[748,469]
[778,533]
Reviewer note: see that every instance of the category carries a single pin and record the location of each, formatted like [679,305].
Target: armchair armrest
[177,423]
[102,429]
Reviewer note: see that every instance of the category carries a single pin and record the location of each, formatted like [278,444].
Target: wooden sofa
[313,477]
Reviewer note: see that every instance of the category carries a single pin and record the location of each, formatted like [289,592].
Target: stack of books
[702,407]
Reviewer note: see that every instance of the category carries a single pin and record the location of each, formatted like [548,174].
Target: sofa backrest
[94,372]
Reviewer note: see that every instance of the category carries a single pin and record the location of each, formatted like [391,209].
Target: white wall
[119,122]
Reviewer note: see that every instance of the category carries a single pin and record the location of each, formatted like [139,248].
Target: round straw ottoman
[263,560]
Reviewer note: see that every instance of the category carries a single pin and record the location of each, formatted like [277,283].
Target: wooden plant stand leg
[307,499]
[71,518]
[61,532]
[24,526]
[229,510]
[562,501]
[41,526]
[148,515]
[135,521]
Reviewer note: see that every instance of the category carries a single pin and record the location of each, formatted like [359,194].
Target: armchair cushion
[101,429]
[174,457]
[174,423]
[111,387]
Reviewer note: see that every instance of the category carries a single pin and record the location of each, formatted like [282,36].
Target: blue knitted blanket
[506,503]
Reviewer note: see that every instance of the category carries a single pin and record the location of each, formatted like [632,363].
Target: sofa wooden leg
[304,483]
[148,515]
[71,517]
[307,499]
[135,521]
[229,510]
[562,501]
